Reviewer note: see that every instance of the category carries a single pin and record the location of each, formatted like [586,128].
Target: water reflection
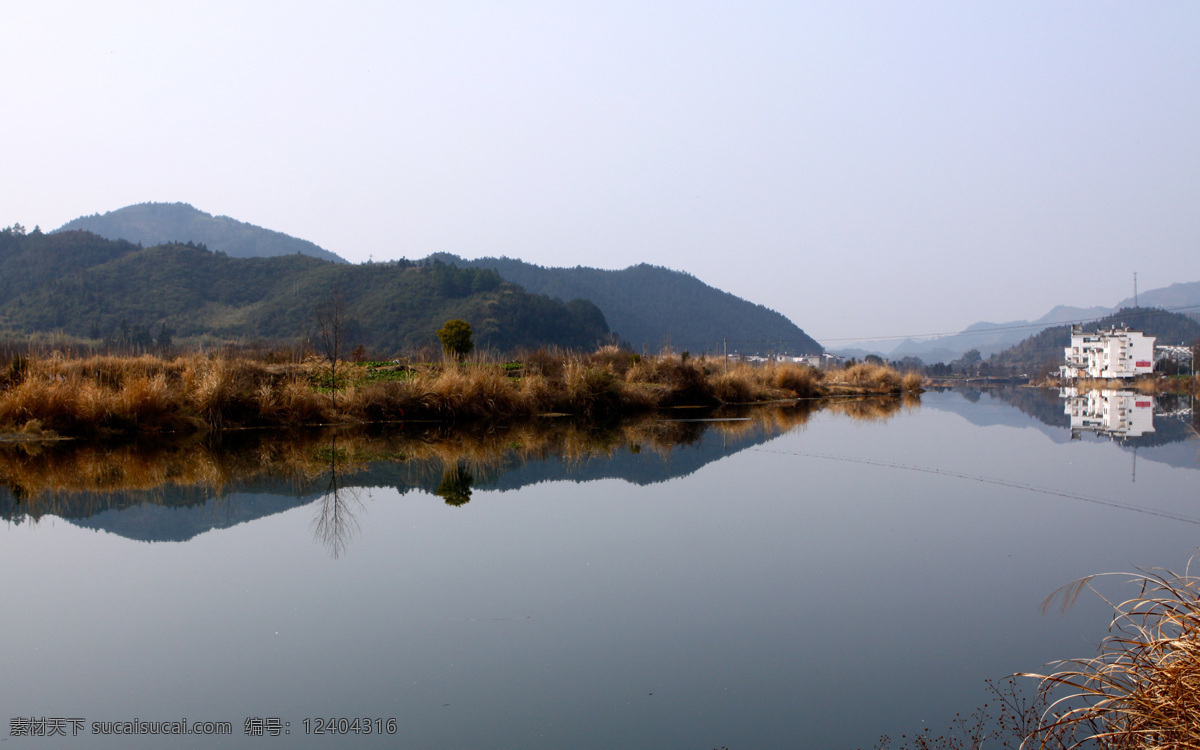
[1119,415]
[336,522]
[1109,413]
[737,607]
[173,490]
[455,486]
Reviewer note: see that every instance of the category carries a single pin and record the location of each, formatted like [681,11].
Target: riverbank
[60,395]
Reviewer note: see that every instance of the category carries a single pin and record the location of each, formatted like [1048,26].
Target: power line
[986,480]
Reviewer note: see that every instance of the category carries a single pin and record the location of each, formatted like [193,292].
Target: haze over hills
[651,307]
[993,338]
[1174,297]
[990,338]
[150,224]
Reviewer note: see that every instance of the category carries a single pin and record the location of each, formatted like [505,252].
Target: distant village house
[1115,353]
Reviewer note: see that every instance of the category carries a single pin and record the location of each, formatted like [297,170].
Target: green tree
[456,338]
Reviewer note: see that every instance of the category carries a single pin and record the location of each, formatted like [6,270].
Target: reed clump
[866,376]
[96,395]
[1142,690]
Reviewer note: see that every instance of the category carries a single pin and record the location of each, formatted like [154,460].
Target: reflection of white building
[1113,413]
[1115,353]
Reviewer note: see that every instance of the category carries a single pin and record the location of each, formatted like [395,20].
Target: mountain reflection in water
[173,490]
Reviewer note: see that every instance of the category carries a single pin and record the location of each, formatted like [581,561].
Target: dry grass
[1143,688]
[148,394]
[871,378]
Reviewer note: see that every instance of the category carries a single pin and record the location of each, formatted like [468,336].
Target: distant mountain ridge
[1183,295]
[993,338]
[151,224]
[990,338]
[653,307]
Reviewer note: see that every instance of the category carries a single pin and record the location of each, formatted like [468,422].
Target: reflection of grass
[1143,688]
[147,394]
[39,473]
[867,409]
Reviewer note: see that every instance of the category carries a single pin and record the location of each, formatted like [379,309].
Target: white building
[812,360]
[1115,353]
[1113,413]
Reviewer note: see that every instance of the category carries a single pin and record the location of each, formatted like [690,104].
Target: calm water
[799,581]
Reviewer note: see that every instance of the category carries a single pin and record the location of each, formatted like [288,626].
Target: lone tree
[331,321]
[456,338]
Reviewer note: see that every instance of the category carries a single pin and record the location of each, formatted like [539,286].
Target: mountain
[90,287]
[647,306]
[1174,297]
[651,307]
[1046,347]
[992,338]
[161,223]
[988,338]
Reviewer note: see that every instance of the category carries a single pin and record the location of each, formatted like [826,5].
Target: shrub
[455,336]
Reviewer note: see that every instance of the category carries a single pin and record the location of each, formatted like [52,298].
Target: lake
[788,578]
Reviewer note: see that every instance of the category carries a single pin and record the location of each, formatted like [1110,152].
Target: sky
[866,169]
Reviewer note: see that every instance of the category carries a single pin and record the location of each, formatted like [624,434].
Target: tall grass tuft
[801,380]
[1142,690]
[868,376]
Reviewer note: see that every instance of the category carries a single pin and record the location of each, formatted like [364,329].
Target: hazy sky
[867,169]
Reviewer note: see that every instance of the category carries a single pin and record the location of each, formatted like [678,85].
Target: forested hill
[1047,347]
[650,306]
[89,287]
[160,223]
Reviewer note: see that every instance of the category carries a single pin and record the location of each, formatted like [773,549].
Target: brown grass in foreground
[1141,691]
[150,394]
[1143,688]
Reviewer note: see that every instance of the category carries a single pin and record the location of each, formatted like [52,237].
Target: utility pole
[725,346]
[1135,300]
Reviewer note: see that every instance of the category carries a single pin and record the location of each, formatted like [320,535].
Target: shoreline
[51,397]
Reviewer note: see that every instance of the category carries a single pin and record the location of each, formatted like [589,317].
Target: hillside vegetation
[160,223]
[651,307]
[1046,348]
[87,287]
